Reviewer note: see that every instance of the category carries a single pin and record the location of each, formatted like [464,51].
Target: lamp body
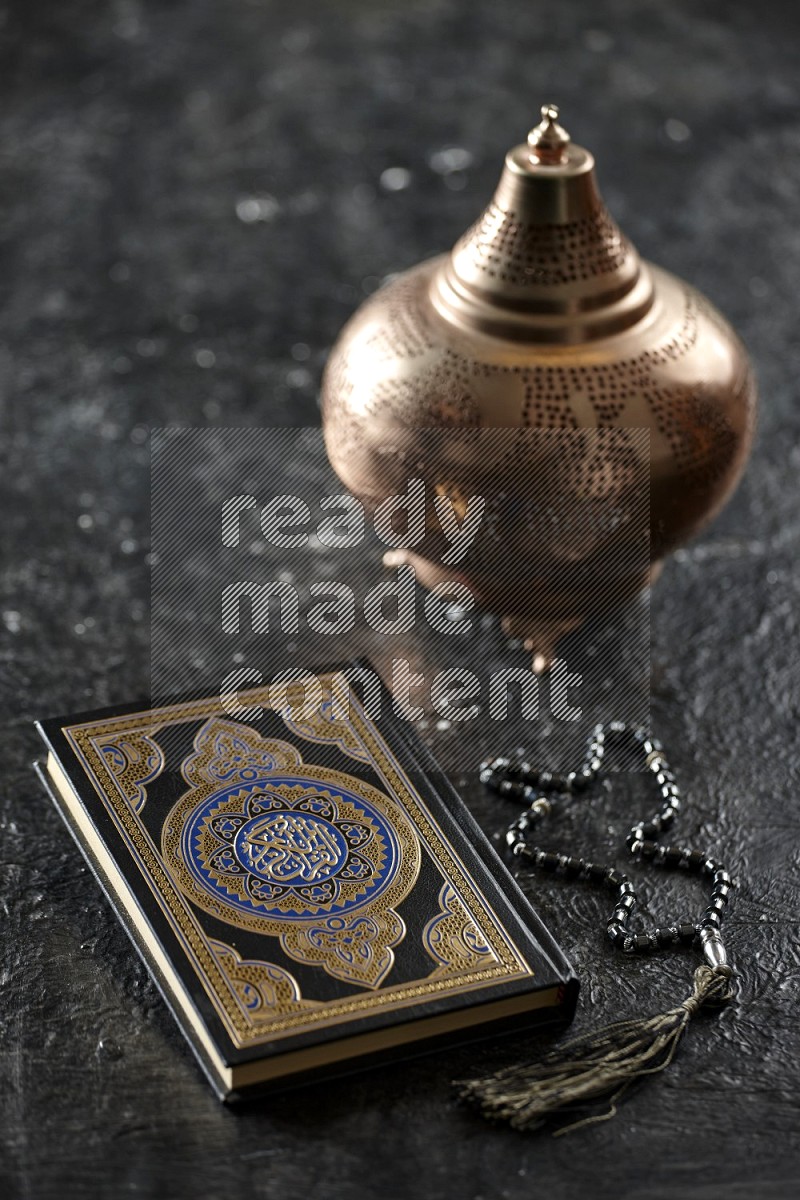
[544,318]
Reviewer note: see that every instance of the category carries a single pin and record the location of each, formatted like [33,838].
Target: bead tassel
[596,1066]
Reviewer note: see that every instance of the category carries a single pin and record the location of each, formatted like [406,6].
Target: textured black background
[132,136]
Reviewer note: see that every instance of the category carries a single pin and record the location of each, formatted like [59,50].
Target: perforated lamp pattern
[543,317]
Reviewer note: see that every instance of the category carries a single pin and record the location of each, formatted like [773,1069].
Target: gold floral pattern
[452,938]
[324,726]
[264,990]
[134,760]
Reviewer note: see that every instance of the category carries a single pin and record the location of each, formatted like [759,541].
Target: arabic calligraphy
[291,847]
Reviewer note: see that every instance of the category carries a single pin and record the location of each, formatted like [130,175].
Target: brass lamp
[543,317]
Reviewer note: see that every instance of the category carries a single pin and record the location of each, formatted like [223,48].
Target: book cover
[309,893]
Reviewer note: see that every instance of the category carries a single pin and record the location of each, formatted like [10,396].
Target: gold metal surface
[548,143]
[543,316]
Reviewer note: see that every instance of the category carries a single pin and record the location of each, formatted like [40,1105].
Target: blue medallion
[288,847]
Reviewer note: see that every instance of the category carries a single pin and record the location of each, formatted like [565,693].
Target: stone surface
[194,198]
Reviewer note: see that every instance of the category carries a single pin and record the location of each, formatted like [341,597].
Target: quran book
[309,893]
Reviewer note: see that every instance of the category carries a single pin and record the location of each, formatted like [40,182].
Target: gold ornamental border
[510,964]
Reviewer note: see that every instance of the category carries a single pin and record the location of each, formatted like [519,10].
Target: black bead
[665,936]
[648,849]
[614,878]
[597,873]
[686,931]
[673,856]
[548,861]
[642,942]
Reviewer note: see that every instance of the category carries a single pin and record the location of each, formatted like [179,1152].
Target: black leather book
[309,893]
